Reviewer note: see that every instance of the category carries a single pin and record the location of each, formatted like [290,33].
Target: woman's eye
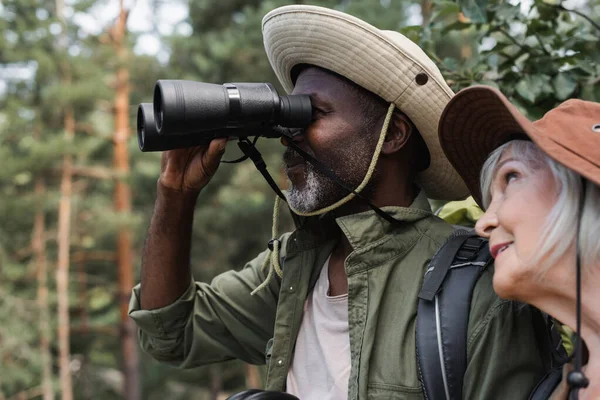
[509,176]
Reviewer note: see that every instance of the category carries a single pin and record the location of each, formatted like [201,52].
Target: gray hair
[558,233]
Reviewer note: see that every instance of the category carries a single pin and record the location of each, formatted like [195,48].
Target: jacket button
[291,288]
[279,362]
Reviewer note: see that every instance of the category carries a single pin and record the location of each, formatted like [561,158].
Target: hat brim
[383,62]
[479,119]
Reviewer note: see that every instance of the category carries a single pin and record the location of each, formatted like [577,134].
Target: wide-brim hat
[480,119]
[383,62]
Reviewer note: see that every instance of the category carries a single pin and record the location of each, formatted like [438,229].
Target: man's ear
[399,131]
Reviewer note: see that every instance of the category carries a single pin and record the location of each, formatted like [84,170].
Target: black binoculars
[187,113]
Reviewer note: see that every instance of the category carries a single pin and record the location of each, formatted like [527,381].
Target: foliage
[538,56]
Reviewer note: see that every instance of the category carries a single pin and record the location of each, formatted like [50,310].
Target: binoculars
[187,113]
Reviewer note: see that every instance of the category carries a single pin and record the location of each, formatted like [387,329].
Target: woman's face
[522,195]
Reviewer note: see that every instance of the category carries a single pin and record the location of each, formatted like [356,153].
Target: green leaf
[588,37]
[456,26]
[445,9]
[23,178]
[533,87]
[413,32]
[487,82]
[564,85]
[475,10]
[506,11]
[451,63]
[591,92]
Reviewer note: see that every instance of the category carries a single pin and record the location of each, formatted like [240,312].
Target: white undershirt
[321,365]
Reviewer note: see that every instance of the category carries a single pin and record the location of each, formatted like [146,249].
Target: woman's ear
[399,131]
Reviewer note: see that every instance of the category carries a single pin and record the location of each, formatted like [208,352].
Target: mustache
[290,155]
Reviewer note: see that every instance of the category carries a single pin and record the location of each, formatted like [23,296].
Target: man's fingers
[213,155]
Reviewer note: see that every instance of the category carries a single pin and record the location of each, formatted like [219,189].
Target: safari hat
[480,119]
[384,62]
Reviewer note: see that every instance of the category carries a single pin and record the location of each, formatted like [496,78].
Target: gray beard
[320,191]
[311,197]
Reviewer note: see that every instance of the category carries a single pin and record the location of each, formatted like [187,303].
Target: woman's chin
[505,287]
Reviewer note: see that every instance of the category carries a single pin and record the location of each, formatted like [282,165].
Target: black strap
[576,378]
[258,394]
[443,314]
[242,158]
[547,385]
[250,151]
[440,265]
[549,338]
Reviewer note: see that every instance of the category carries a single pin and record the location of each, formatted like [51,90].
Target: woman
[539,184]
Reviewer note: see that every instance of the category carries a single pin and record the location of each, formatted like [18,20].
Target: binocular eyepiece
[187,113]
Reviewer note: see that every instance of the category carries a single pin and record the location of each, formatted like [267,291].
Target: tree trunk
[216,381]
[62,273]
[64,233]
[82,296]
[253,380]
[426,11]
[38,244]
[122,199]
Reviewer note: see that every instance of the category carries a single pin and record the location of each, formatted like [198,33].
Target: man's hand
[166,258]
[190,170]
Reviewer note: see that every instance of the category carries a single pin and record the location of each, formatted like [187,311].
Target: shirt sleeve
[506,356]
[211,322]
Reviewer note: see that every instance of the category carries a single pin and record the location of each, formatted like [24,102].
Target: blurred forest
[77,194]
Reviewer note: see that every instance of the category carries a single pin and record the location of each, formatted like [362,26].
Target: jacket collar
[361,229]
[367,227]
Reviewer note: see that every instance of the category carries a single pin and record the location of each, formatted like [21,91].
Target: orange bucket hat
[479,119]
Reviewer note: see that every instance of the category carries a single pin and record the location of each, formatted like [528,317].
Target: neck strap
[577,379]
[250,151]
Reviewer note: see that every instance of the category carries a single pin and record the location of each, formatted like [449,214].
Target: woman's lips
[499,248]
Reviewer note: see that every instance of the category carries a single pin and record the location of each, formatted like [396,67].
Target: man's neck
[338,280]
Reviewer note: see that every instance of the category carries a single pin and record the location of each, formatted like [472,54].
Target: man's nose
[297,136]
[487,223]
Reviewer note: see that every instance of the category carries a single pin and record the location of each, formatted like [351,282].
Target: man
[340,323]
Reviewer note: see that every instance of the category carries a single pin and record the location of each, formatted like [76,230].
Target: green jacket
[222,321]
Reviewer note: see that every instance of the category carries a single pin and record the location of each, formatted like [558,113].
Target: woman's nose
[487,223]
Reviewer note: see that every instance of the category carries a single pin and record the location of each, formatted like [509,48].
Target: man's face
[336,137]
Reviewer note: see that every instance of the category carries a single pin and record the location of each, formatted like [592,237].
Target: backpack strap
[259,394]
[443,313]
[558,357]
[547,385]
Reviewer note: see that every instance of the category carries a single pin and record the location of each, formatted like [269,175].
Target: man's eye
[319,111]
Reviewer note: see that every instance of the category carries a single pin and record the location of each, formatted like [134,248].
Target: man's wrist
[177,197]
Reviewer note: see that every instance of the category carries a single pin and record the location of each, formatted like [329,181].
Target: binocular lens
[145,121]
[150,140]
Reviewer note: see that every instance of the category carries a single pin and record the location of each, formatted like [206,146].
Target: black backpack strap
[558,357]
[547,385]
[443,313]
[258,394]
